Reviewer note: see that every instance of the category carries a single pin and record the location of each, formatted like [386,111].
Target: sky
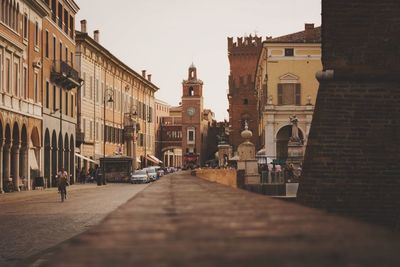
[164,37]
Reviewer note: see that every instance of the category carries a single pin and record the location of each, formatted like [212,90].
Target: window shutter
[280,94]
[298,94]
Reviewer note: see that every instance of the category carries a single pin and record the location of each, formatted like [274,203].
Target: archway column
[1,168]
[7,162]
[15,153]
[23,157]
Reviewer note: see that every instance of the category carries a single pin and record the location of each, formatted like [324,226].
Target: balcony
[80,137]
[65,76]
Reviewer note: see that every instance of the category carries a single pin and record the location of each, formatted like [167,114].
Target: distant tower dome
[192,72]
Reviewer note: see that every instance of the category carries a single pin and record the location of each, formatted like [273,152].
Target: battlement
[248,43]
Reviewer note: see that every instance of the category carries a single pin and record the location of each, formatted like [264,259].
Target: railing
[65,75]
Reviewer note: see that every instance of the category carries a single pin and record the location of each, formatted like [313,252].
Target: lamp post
[130,134]
[108,94]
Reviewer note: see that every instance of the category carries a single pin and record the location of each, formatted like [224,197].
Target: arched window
[191,91]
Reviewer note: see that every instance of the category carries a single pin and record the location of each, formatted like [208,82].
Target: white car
[140,177]
[152,173]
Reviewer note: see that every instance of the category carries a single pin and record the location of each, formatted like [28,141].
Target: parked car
[152,173]
[140,177]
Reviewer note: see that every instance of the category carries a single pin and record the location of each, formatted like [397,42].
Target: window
[25,91]
[71,27]
[97,90]
[84,127]
[245,101]
[91,88]
[47,94]
[37,34]
[35,86]
[191,91]
[289,93]
[97,131]
[72,105]
[91,130]
[60,15]
[16,79]
[54,48]
[66,16]
[289,52]
[61,49]
[84,85]
[66,103]
[47,44]
[26,25]
[54,98]
[191,136]
[8,73]
[53,10]
[66,54]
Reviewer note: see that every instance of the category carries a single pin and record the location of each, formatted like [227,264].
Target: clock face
[191,111]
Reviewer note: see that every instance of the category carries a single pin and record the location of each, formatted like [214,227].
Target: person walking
[83,175]
[63,182]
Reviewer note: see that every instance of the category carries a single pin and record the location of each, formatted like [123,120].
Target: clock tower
[192,117]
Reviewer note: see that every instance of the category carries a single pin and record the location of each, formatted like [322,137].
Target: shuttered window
[289,94]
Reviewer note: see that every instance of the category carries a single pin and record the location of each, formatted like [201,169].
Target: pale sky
[166,36]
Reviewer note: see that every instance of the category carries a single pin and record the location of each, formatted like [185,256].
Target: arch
[35,137]
[66,153]
[15,134]
[23,155]
[47,159]
[54,155]
[282,139]
[72,159]
[191,91]
[60,151]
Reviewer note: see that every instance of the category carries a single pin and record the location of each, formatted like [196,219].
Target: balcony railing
[65,75]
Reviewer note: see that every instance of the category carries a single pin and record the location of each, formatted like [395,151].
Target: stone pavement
[32,222]
[185,221]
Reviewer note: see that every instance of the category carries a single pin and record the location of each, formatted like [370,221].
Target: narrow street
[31,222]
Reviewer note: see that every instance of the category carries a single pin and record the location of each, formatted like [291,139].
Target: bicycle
[63,192]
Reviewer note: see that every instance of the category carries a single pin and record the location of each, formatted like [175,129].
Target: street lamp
[108,94]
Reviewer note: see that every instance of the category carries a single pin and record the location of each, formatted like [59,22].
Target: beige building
[286,84]
[162,110]
[108,80]
[21,27]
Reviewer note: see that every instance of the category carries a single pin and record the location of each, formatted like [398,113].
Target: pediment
[289,77]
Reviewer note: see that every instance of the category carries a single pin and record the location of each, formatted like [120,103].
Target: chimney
[84,26]
[149,77]
[144,74]
[96,35]
[308,28]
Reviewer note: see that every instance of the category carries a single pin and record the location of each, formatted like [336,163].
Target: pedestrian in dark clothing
[83,176]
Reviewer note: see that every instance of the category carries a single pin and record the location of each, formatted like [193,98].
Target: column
[7,162]
[1,168]
[24,165]
[15,157]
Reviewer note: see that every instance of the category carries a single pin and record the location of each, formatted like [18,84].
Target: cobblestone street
[186,221]
[31,222]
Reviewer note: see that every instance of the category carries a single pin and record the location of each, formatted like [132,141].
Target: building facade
[161,111]
[21,27]
[286,86]
[110,92]
[59,86]
[242,97]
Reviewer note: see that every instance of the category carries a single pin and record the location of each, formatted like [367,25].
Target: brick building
[352,160]
[242,97]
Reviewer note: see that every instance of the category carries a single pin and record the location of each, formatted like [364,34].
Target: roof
[312,35]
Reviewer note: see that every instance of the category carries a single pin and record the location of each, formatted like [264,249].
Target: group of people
[85,175]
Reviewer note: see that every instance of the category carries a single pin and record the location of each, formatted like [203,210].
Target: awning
[153,159]
[32,160]
[138,160]
[86,158]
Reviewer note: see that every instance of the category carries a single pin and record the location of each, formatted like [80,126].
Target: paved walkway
[185,221]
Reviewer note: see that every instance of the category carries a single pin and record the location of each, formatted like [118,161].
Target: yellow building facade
[286,85]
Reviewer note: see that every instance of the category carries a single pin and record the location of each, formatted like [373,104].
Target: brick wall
[352,162]
[243,56]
